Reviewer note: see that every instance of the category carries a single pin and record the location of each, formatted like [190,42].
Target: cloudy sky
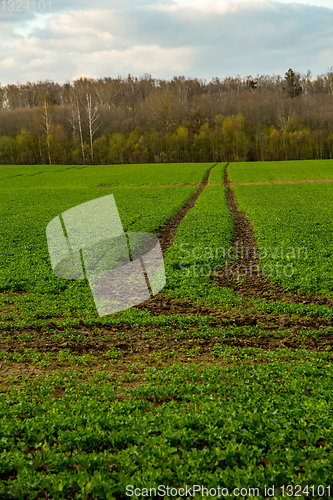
[165,38]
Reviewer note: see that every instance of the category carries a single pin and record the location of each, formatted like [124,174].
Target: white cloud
[200,38]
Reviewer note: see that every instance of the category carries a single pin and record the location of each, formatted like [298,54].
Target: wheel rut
[254,285]
[234,328]
[167,233]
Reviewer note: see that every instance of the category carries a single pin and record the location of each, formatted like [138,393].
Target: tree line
[146,120]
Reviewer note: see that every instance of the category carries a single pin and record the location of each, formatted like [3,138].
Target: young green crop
[201,242]
[36,194]
[232,426]
[280,170]
[217,174]
[293,227]
[79,176]
[25,215]
[246,417]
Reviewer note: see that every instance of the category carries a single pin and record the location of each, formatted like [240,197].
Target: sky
[62,40]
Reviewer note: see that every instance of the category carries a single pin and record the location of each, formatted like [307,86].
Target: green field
[277,170]
[204,385]
[293,226]
[205,229]
[32,176]
[217,174]
[24,246]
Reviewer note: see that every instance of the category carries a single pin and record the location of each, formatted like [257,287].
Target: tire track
[167,233]
[254,283]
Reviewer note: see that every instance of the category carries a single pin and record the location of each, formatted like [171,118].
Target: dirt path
[167,233]
[255,283]
[148,185]
[159,304]
[144,341]
[298,181]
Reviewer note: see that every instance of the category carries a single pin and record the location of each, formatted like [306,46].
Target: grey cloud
[120,37]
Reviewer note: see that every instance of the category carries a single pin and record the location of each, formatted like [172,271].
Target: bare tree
[72,116]
[93,126]
[75,118]
[79,120]
[329,80]
[44,116]
[163,108]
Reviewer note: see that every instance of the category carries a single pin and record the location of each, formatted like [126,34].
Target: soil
[167,233]
[256,284]
[148,185]
[140,343]
[295,181]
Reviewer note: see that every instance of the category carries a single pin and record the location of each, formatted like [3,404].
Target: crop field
[27,176]
[268,171]
[221,385]
[293,226]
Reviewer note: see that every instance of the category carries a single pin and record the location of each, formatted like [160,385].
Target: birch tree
[75,120]
[44,116]
[92,122]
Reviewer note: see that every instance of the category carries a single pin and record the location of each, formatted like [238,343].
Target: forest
[147,120]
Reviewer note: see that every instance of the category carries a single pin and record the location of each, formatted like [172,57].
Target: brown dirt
[145,344]
[295,181]
[148,185]
[167,233]
[256,284]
